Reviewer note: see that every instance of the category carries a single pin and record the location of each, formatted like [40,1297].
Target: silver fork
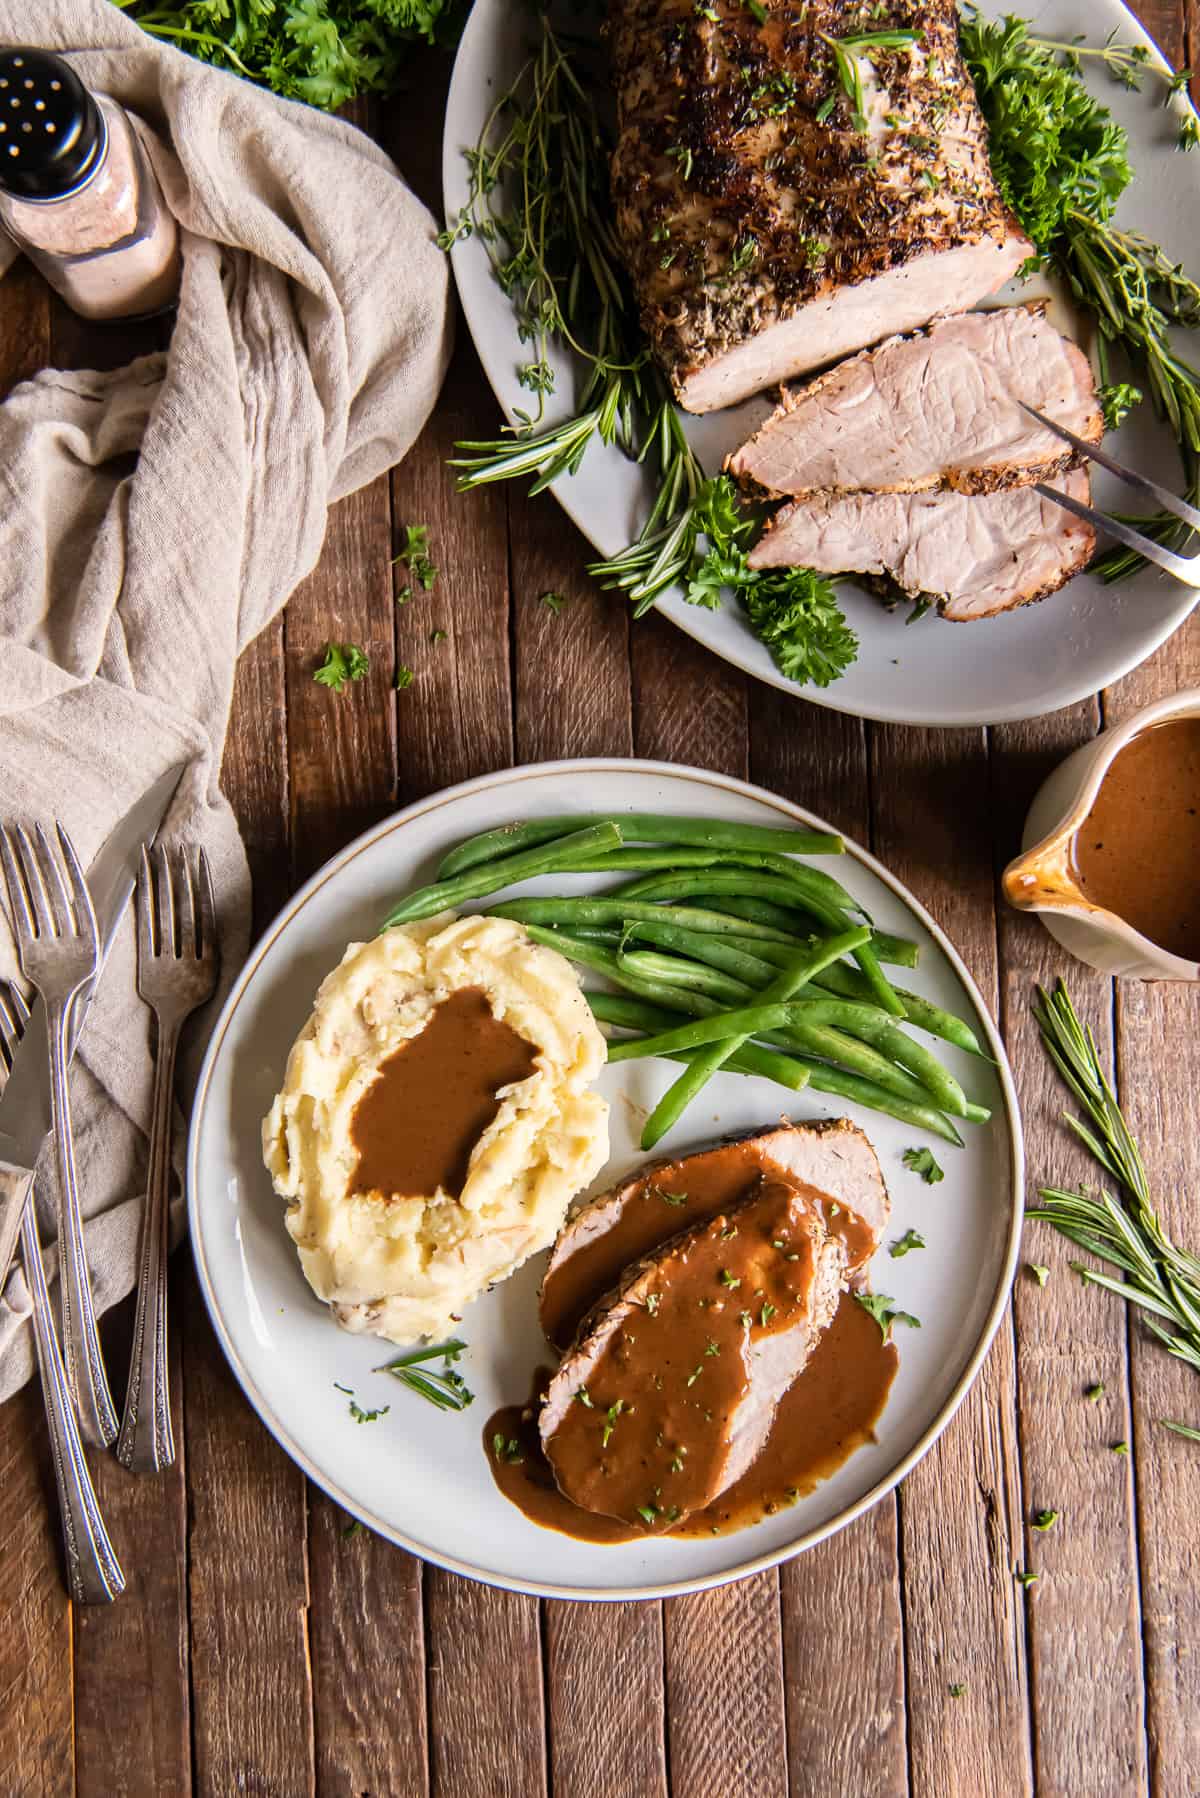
[94,1574]
[1184,568]
[58,948]
[177,971]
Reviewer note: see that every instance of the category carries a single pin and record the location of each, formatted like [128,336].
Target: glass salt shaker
[78,193]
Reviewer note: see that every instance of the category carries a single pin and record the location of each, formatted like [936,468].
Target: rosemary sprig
[1160,1278]
[442,1386]
[846,53]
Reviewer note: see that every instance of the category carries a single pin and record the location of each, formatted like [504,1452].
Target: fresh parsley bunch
[323,51]
[1062,163]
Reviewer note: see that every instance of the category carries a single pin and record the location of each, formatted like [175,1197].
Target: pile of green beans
[728,953]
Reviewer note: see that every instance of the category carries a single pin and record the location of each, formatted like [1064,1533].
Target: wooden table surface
[260,1649]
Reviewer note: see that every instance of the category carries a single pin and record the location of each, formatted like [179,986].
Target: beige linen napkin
[310,343]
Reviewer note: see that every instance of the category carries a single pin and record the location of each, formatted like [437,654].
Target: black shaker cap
[52,133]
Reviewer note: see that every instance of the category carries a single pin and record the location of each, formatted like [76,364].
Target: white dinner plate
[1021,665]
[418,1475]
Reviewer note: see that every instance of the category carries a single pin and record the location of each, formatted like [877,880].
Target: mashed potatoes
[403,1265]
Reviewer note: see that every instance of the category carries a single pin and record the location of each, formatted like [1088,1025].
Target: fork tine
[81,898]
[1184,568]
[19,1006]
[182,888]
[53,885]
[18,899]
[1170,502]
[208,907]
[147,945]
[31,868]
[10,1033]
[164,901]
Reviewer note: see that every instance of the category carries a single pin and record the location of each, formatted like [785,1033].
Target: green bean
[634,1014]
[809,888]
[716,951]
[773,888]
[789,981]
[631,1014]
[895,949]
[674,972]
[601,911]
[604,961]
[547,859]
[638,827]
[750,1020]
[857,1036]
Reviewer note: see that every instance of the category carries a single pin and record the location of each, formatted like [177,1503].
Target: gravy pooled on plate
[1137,853]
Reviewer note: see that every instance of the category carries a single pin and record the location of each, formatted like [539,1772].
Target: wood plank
[610,1740]
[368,1655]
[341,746]
[571,673]
[725,1698]
[960,1512]
[37,1749]
[1157,1092]
[455,720]
[131,1658]
[37,1754]
[1083,1612]
[687,705]
[486,1717]
[248,1577]
[843,1707]
[248,1583]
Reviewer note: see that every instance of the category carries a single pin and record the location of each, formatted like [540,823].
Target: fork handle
[15,1184]
[82,1359]
[94,1573]
[146,1443]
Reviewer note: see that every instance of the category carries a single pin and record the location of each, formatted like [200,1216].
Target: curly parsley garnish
[340,663]
[921,1161]
[879,1305]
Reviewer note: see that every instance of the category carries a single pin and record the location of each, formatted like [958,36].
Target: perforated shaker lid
[52,132]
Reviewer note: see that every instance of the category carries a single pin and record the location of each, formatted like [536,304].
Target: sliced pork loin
[941,409]
[766,233]
[974,557]
[629,1221]
[672,1388]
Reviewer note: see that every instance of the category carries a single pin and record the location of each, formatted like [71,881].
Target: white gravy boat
[1042,879]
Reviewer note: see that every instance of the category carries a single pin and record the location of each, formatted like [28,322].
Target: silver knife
[25,1119]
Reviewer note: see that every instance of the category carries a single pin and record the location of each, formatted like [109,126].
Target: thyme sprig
[1124,1232]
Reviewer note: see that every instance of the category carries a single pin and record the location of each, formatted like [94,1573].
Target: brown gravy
[1137,853]
[649,1436]
[830,1411]
[666,1199]
[415,1126]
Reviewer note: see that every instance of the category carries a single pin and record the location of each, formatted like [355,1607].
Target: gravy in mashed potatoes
[435,1120]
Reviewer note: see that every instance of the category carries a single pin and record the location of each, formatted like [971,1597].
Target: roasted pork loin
[973,556]
[940,409]
[671,1390]
[766,230]
[630,1220]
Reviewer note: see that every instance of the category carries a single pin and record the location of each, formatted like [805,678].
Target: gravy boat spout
[1043,878]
